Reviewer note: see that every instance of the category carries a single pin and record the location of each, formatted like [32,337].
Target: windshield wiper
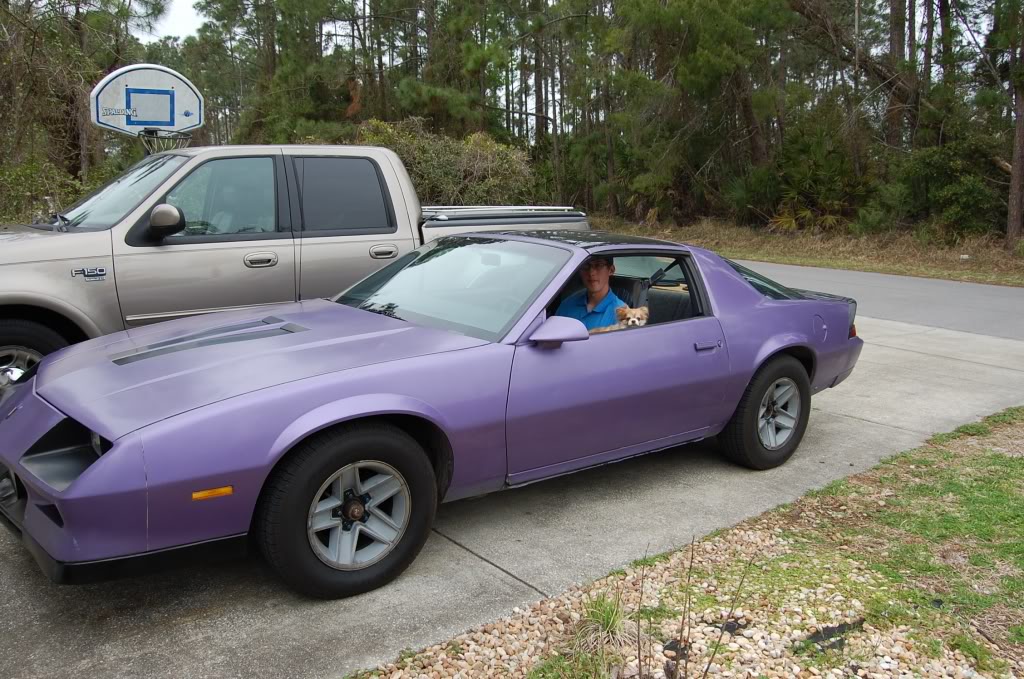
[60,220]
[384,310]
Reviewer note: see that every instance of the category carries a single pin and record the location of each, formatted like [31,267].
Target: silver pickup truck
[201,230]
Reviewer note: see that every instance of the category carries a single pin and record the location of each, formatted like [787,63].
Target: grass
[894,253]
[928,544]
[931,539]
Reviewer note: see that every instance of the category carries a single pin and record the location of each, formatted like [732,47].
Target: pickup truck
[207,229]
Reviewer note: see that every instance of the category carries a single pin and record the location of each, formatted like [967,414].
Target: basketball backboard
[146,97]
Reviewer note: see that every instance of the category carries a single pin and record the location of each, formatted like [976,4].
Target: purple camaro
[327,431]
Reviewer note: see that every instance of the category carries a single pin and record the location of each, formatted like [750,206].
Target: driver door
[613,395]
[236,251]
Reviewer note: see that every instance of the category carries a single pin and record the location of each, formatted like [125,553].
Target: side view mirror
[558,329]
[165,220]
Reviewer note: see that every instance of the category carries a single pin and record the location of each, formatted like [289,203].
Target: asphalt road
[937,355]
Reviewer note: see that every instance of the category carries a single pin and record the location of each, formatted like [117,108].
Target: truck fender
[57,306]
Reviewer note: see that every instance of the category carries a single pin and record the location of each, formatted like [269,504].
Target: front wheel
[771,417]
[348,511]
[22,345]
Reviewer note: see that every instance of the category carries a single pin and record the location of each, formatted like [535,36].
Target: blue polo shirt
[575,306]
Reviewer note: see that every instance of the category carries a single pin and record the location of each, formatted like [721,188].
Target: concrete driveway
[490,554]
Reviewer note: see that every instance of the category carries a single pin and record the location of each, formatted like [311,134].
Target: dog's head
[632,317]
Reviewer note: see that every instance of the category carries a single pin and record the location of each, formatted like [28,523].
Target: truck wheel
[771,417]
[23,344]
[347,511]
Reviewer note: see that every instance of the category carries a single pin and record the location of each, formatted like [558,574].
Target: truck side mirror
[165,220]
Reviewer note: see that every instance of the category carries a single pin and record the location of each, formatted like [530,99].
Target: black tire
[740,440]
[284,506]
[15,332]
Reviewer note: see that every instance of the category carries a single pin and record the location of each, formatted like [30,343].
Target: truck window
[227,196]
[109,205]
[342,194]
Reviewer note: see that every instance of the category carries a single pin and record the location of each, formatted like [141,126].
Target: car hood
[124,381]
[14,232]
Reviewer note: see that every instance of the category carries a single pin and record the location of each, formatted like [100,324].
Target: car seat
[668,305]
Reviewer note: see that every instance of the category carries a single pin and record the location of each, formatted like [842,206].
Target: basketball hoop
[156,141]
[154,103]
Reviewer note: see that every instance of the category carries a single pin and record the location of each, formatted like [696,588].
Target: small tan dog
[628,318]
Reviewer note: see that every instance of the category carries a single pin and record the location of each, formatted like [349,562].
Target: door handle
[260,260]
[707,346]
[383,251]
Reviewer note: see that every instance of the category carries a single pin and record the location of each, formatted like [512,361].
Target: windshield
[109,205]
[473,286]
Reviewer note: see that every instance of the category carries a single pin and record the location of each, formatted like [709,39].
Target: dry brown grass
[894,253]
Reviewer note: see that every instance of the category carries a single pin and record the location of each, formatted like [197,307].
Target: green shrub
[956,183]
[34,189]
[447,171]
[755,197]
[886,211]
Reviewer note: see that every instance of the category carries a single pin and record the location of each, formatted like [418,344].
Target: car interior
[660,284]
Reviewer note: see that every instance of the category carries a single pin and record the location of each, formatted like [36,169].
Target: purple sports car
[327,431]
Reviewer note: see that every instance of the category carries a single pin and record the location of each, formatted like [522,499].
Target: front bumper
[83,572]
[98,515]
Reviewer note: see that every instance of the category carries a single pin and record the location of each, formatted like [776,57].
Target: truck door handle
[707,346]
[383,251]
[259,260]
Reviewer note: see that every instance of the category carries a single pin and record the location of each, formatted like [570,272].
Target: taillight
[853,316]
[853,330]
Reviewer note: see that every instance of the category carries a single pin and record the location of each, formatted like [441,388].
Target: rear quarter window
[342,194]
[764,285]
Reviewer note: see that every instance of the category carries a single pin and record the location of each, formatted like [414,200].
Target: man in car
[595,305]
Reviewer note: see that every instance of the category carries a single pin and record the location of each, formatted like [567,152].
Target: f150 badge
[90,273]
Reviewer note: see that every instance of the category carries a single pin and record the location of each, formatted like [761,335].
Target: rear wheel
[23,344]
[772,415]
[348,511]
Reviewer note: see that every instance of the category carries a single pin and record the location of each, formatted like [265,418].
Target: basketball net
[163,140]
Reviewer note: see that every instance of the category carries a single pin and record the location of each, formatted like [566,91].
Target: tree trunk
[758,151]
[81,100]
[912,35]
[539,89]
[1015,212]
[613,198]
[894,111]
[929,45]
[555,160]
[946,39]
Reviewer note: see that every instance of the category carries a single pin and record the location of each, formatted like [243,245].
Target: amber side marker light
[212,492]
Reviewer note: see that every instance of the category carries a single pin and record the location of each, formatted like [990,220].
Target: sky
[180,20]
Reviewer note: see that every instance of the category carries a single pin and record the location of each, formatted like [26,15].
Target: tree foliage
[822,115]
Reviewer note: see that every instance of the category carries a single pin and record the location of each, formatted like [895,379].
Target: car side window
[655,289]
[342,195]
[227,196]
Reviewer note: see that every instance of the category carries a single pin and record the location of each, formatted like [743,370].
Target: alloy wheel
[359,515]
[778,413]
